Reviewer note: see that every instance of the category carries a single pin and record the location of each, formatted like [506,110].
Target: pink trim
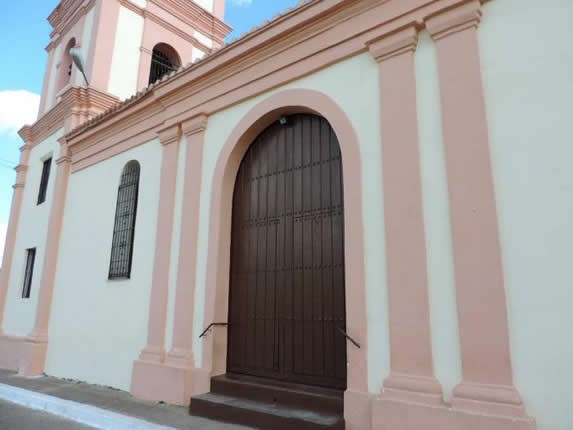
[104,39]
[412,373]
[34,354]
[47,79]
[172,379]
[181,352]
[487,385]
[13,222]
[219,9]
[217,284]
[154,351]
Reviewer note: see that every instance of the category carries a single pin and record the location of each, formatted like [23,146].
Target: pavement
[14,417]
[104,398]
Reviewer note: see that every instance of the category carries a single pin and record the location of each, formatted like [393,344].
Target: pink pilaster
[35,346]
[173,378]
[487,385]
[412,374]
[21,171]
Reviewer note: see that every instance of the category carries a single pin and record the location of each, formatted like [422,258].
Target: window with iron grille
[44,181]
[164,60]
[124,228]
[29,273]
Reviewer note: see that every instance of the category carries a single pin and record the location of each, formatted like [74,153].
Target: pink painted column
[47,79]
[487,385]
[17,196]
[36,343]
[155,350]
[181,353]
[412,374]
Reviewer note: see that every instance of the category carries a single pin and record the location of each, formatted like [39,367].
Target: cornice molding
[402,41]
[195,125]
[65,16]
[84,103]
[454,20]
[298,43]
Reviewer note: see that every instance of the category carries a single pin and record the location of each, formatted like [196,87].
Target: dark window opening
[124,227]
[29,273]
[44,181]
[164,60]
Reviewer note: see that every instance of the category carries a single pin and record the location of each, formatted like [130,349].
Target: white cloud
[3,228]
[17,108]
[242,3]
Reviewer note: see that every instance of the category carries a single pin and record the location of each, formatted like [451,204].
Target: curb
[78,412]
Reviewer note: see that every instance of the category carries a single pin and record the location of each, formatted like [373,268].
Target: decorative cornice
[21,168]
[195,125]
[85,103]
[26,133]
[64,16]
[454,20]
[169,134]
[402,41]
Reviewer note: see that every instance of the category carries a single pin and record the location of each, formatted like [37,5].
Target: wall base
[396,415]
[358,410]
[10,352]
[27,356]
[160,381]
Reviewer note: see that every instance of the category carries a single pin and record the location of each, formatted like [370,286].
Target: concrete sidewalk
[107,399]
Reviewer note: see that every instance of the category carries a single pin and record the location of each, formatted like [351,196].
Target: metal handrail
[343,333]
[212,325]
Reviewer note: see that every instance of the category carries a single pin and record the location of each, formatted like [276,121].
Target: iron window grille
[29,273]
[161,64]
[124,227]
[46,167]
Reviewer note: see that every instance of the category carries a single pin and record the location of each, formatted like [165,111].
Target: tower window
[124,228]
[65,72]
[164,60]
[29,273]
[44,181]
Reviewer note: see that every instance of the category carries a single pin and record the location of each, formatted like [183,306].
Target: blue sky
[24,26]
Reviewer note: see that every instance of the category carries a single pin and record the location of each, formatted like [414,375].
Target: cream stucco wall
[360,101]
[527,64]
[205,4]
[126,54]
[97,326]
[32,231]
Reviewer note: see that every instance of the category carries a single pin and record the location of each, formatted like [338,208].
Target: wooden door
[287,292]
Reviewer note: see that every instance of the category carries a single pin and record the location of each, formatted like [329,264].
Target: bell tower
[124,45]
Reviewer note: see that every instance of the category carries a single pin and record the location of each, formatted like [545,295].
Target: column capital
[65,154]
[170,134]
[452,21]
[399,42]
[194,125]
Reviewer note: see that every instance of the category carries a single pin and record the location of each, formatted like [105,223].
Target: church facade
[369,197]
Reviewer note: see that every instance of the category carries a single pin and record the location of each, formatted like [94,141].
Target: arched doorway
[287,281]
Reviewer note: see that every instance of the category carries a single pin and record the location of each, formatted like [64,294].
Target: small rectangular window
[44,182]
[30,258]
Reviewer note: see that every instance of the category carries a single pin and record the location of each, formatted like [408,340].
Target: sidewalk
[107,399]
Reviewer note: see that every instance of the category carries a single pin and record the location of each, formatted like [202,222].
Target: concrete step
[262,415]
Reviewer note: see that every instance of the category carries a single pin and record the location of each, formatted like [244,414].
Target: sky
[24,25]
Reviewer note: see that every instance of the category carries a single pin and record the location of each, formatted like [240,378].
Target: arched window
[164,60]
[65,68]
[124,228]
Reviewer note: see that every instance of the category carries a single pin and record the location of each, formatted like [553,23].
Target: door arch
[287,283]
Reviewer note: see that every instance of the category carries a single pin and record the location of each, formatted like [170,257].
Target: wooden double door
[287,291]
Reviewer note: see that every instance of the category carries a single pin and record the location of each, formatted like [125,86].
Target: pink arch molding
[357,400]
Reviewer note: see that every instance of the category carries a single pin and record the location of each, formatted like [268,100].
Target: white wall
[360,101]
[527,63]
[97,326]
[126,54]
[205,4]
[19,314]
